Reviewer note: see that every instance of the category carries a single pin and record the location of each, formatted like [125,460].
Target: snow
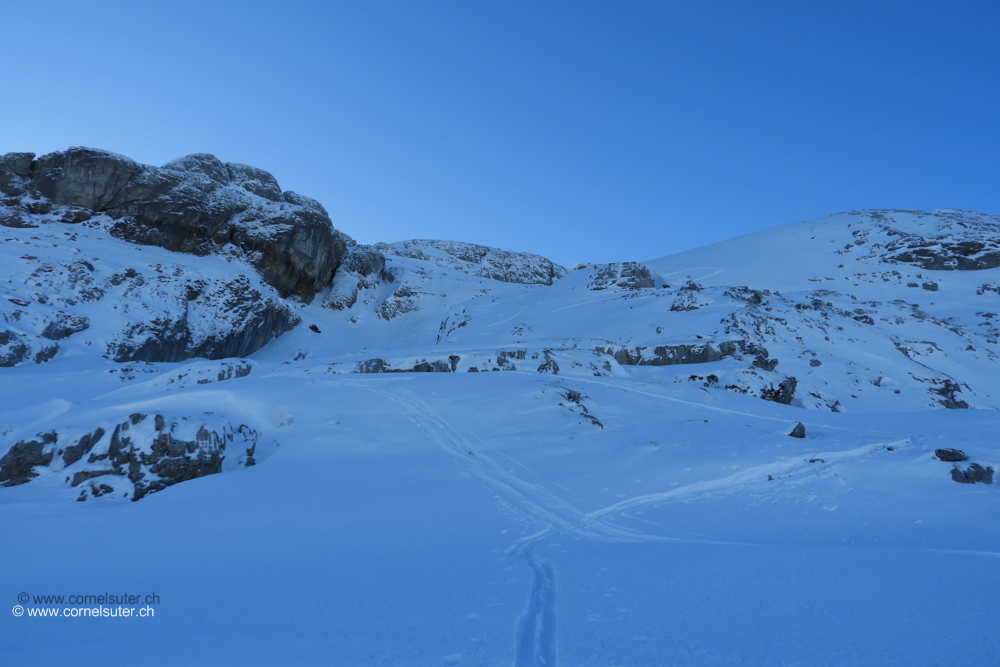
[602,514]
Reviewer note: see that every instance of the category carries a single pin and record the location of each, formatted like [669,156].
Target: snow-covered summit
[857,244]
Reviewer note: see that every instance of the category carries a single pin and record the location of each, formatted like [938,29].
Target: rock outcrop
[621,275]
[253,319]
[479,260]
[154,312]
[669,355]
[362,267]
[974,474]
[137,456]
[197,204]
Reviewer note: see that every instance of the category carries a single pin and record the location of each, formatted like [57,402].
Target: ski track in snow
[797,468]
[684,402]
[532,499]
[536,630]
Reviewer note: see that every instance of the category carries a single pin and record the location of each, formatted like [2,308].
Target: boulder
[950,455]
[799,431]
[973,474]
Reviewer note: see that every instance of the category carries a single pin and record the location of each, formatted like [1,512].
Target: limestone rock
[224,318]
[139,455]
[196,204]
[17,466]
[668,355]
[479,260]
[621,275]
[973,474]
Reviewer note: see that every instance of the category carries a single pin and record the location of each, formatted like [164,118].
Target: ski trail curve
[798,467]
[694,404]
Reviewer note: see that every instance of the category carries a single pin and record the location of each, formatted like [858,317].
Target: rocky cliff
[197,204]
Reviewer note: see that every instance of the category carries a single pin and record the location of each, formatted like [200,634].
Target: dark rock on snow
[951,455]
[144,455]
[973,474]
[799,431]
[18,465]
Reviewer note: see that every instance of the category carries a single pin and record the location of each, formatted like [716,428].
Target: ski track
[532,499]
[694,404]
[536,629]
[797,468]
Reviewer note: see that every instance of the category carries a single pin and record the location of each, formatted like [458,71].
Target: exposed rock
[153,312]
[423,366]
[17,466]
[253,319]
[548,366]
[144,454]
[623,275]
[402,301]
[196,205]
[363,260]
[479,260]
[944,254]
[950,455]
[947,391]
[64,326]
[363,267]
[13,349]
[767,385]
[47,353]
[76,452]
[783,393]
[973,474]
[668,355]
[503,356]
[799,431]
[371,366]
[763,363]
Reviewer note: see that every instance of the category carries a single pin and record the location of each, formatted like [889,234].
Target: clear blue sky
[582,131]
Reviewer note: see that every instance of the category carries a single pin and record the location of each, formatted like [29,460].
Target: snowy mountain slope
[478,260]
[71,291]
[459,455]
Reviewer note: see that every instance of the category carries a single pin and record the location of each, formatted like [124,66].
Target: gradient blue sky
[582,131]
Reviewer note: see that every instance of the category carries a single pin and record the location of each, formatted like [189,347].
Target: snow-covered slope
[462,455]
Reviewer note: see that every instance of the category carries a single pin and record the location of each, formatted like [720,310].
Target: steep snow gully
[747,453]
